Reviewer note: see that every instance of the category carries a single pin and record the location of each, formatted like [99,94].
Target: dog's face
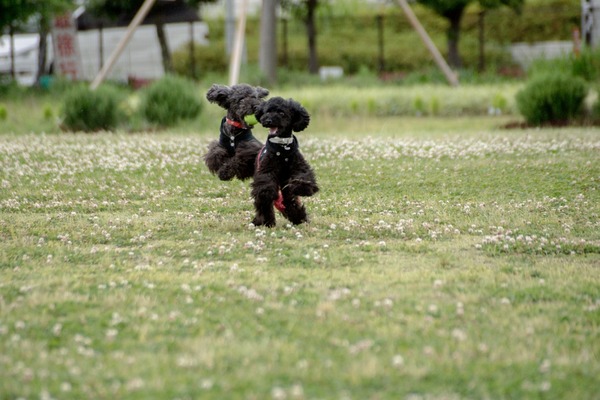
[239,100]
[282,116]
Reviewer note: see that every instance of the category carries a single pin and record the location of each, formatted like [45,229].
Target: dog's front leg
[264,191]
[295,211]
[302,185]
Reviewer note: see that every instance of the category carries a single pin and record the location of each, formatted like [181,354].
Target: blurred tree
[306,10]
[15,12]
[118,8]
[453,11]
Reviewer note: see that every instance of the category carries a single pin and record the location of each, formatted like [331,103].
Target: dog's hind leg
[264,192]
[228,170]
[216,157]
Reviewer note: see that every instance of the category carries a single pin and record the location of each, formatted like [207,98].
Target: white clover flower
[278,393]
[459,335]
[397,361]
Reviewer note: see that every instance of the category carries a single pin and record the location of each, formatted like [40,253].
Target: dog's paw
[260,221]
[295,211]
[299,187]
[225,174]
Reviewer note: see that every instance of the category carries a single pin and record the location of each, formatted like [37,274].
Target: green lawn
[444,259]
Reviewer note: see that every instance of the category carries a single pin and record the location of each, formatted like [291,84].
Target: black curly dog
[234,154]
[282,174]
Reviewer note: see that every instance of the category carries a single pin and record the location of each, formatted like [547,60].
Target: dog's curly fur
[281,169]
[234,154]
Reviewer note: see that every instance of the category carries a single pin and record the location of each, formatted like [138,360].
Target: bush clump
[552,99]
[91,110]
[169,100]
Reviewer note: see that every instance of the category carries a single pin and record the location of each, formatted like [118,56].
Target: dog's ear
[300,117]
[258,112]
[261,92]
[219,94]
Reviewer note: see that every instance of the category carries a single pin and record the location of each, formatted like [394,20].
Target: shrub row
[419,100]
[164,103]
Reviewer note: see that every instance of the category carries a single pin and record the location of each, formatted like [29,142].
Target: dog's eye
[281,113]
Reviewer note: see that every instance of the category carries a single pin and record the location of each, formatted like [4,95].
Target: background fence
[386,43]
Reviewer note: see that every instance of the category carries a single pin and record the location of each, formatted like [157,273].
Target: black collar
[231,137]
[279,150]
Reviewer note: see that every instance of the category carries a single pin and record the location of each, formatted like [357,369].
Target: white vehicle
[140,59]
[26,57]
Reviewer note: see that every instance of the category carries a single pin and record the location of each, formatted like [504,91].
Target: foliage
[114,8]
[3,112]
[357,96]
[431,269]
[206,59]
[551,99]
[453,11]
[13,12]
[170,100]
[339,44]
[91,110]
[586,65]
[431,99]
[595,109]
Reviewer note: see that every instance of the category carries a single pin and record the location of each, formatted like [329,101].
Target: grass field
[445,259]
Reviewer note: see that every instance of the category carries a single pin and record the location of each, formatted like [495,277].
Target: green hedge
[555,98]
[91,110]
[170,100]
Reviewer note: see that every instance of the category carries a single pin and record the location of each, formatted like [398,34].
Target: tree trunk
[42,48]
[13,72]
[454,17]
[311,31]
[268,42]
[164,48]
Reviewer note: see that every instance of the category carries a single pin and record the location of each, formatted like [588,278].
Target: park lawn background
[445,258]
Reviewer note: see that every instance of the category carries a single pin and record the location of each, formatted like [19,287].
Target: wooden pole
[238,46]
[135,22]
[439,59]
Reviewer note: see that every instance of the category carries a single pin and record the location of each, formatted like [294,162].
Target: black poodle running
[282,174]
[234,154]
